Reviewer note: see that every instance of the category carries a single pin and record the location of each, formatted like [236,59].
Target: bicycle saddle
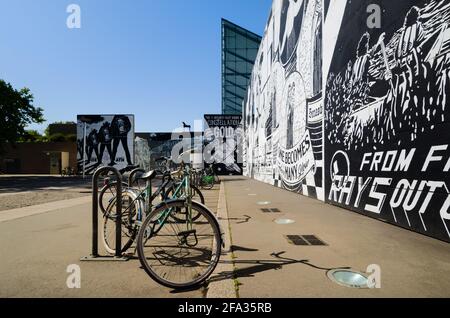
[148,175]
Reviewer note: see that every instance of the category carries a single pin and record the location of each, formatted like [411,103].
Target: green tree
[47,130]
[31,136]
[16,113]
[58,137]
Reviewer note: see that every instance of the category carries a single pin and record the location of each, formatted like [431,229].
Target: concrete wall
[357,117]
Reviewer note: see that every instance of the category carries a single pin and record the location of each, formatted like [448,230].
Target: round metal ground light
[284,221]
[348,278]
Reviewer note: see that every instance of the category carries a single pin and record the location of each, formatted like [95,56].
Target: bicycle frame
[162,219]
[149,197]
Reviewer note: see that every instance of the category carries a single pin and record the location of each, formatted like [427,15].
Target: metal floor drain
[348,278]
[305,240]
[274,210]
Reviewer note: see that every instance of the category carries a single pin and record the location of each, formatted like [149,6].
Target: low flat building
[38,158]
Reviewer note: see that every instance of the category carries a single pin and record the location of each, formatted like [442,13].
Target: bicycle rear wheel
[107,195]
[131,208]
[179,254]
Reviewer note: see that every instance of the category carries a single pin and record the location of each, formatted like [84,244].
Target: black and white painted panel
[222,142]
[152,146]
[105,140]
[386,116]
[283,113]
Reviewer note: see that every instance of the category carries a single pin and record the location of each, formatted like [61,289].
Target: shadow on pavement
[32,183]
[232,179]
[259,266]
[244,219]
[244,249]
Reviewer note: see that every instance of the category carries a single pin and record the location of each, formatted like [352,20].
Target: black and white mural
[222,143]
[361,121]
[386,115]
[105,140]
[149,147]
[283,114]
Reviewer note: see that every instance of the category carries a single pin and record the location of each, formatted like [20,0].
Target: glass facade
[239,50]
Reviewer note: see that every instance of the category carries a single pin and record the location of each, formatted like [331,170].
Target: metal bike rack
[118,252]
[132,174]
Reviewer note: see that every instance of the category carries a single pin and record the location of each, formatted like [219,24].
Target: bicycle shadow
[257,266]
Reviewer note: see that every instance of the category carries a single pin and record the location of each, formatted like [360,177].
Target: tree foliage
[32,136]
[16,113]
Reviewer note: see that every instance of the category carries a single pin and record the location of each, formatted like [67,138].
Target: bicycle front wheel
[196,196]
[176,253]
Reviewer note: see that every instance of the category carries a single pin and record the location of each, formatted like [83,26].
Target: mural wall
[375,139]
[387,122]
[284,108]
[105,140]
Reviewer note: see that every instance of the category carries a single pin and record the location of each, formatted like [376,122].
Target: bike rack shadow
[118,256]
[244,219]
[236,248]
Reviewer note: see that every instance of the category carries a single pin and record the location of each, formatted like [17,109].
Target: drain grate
[296,240]
[274,210]
[309,240]
[314,240]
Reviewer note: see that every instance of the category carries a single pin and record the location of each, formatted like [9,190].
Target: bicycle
[108,191]
[67,172]
[174,249]
[206,178]
[133,203]
[180,252]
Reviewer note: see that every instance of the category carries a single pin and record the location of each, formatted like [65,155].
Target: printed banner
[105,140]
[222,137]
[294,164]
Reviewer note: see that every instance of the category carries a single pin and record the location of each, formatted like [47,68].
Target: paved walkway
[412,265]
[39,243]
[14,214]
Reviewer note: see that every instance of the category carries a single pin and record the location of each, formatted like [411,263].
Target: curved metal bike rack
[132,174]
[118,252]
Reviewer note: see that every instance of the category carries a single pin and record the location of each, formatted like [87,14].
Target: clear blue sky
[157,59]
